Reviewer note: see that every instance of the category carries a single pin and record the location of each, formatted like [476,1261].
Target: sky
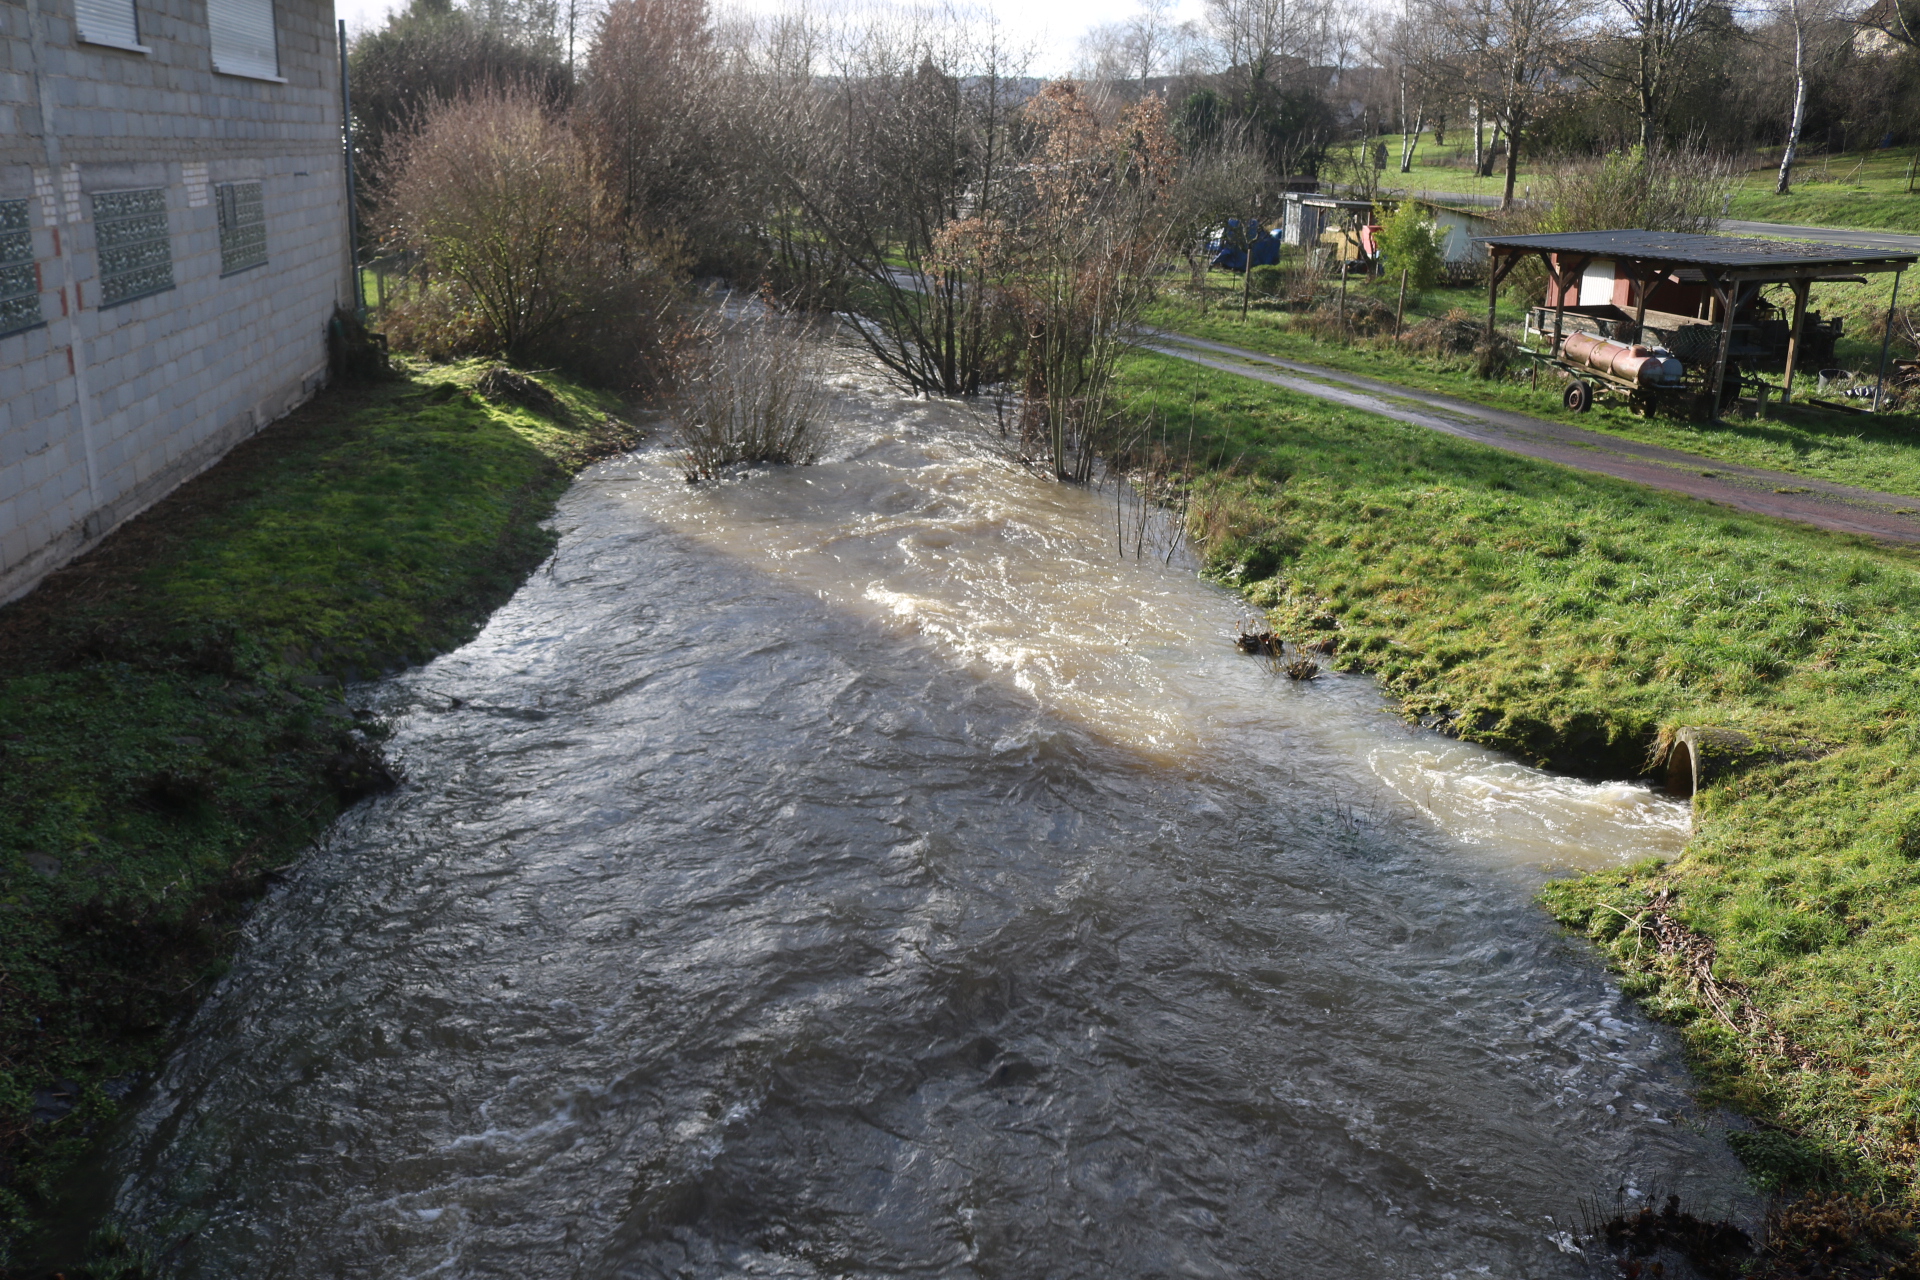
[1053,27]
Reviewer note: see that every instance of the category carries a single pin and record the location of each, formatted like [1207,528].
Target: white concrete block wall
[103,411]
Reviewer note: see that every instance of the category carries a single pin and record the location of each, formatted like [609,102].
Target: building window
[243,43]
[243,226]
[130,240]
[19,277]
[108,22]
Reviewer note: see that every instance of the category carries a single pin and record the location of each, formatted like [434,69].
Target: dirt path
[1890,517]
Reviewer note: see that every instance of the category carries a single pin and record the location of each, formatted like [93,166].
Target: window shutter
[107,22]
[243,38]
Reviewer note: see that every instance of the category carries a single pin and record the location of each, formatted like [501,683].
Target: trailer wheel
[1579,397]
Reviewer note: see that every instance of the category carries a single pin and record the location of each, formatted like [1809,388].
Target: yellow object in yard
[1345,244]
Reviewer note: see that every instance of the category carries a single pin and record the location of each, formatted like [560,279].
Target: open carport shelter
[1623,283]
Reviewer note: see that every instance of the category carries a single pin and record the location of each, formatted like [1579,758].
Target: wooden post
[1497,267]
[1560,277]
[1886,341]
[1557,273]
[1801,288]
[1400,311]
[1343,297]
[1494,276]
[1718,385]
[1642,283]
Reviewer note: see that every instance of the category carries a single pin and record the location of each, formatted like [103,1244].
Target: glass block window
[243,38]
[19,278]
[130,239]
[243,226]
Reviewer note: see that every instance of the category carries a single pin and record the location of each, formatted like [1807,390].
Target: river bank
[1575,620]
[1868,451]
[172,720]
[873,867]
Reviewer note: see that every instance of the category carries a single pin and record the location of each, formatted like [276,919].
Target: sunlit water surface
[866,870]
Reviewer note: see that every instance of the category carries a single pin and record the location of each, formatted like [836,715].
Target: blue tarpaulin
[1230,250]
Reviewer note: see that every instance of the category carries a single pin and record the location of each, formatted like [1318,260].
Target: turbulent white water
[864,870]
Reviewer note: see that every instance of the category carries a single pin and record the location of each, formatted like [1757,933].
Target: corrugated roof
[1733,253]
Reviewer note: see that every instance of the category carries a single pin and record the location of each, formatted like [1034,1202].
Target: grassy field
[1866,190]
[1573,620]
[1863,189]
[1874,452]
[172,722]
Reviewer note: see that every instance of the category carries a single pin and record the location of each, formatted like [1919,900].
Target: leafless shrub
[1099,212]
[1361,318]
[1657,189]
[1677,188]
[493,196]
[1455,334]
[750,393]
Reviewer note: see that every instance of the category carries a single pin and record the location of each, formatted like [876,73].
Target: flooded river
[865,870]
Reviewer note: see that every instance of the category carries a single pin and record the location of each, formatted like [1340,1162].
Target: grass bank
[173,725]
[1866,190]
[1575,620]
[1880,452]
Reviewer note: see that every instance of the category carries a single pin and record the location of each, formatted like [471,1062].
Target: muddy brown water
[864,870]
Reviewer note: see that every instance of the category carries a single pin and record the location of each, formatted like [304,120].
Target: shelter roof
[1707,252]
[1329,202]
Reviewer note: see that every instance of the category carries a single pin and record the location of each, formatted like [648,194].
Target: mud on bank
[173,726]
[1571,619]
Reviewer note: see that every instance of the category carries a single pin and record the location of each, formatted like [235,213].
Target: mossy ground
[172,720]
[1569,619]
[1874,452]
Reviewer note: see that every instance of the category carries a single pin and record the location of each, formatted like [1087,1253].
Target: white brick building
[173,239]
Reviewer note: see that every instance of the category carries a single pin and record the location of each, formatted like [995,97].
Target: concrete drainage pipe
[1700,757]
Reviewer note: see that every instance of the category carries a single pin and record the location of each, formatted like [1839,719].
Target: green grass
[1873,452]
[1570,619]
[1861,189]
[1865,190]
[172,727]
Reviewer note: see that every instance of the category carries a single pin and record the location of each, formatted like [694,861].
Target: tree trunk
[1479,139]
[1513,158]
[1410,141]
[1648,94]
[1785,184]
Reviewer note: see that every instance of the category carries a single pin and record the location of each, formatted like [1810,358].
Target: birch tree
[1813,31]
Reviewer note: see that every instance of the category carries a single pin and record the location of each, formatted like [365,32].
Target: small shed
[1457,230]
[1708,285]
[1308,216]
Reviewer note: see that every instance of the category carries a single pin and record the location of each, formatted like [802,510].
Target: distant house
[173,240]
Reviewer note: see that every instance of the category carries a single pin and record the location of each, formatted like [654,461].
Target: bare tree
[493,195]
[1271,49]
[1098,209]
[1141,46]
[1412,48]
[647,109]
[1648,53]
[1814,31]
[1520,46]
[906,134]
